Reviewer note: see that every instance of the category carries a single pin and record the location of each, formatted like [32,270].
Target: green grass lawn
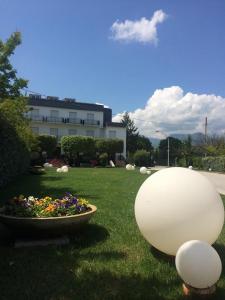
[108,259]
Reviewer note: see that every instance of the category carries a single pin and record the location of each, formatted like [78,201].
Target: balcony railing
[74,121]
[91,122]
[54,119]
[48,119]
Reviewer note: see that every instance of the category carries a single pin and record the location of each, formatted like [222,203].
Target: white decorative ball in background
[176,205]
[64,169]
[133,168]
[59,170]
[190,167]
[143,170]
[210,169]
[148,172]
[129,167]
[198,264]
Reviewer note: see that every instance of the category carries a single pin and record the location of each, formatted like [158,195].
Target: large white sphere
[143,170]
[176,205]
[198,264]
[129,167]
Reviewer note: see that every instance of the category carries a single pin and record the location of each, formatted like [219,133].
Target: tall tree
[132,133]
[175,149]
[143,143]
[10,84]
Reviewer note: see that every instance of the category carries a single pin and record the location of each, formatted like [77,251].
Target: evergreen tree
[132,133]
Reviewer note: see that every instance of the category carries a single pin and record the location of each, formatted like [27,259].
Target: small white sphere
[64,169]
[176,205]
[129,167]
[46,165]
[148,172]
[59,170]
[133,168]
[190,167]
[210,169]
[198,264]
[50,165]
[143,170]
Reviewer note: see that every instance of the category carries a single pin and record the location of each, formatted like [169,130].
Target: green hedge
[142,158]
[216,163]
[47,143]
[15,140]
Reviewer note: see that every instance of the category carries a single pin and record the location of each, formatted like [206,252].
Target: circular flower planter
[49,225]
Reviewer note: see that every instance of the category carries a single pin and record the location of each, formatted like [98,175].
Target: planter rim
[93,210]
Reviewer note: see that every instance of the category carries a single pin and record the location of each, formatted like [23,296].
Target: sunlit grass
[108,259]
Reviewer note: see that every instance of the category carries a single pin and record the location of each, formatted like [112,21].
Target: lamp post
[168,146]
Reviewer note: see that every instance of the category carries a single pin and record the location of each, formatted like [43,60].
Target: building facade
[52,116]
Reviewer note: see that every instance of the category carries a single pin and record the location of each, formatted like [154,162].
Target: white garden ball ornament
[133,168]
[129,167]
[190,167]
[143,170]
[59,170]
[64,169]
[198,264]
[176,205]
[148,172]
[46,165]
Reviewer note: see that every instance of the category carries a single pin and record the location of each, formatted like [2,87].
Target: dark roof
[115,124]
[65,104]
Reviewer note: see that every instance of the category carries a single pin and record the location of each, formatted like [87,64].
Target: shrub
[109,146]
[142,158]
[182,162]
[76,146]
[103,159]
[15,140]
[47,143]
[216,163]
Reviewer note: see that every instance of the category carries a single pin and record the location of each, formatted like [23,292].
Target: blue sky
[69,50]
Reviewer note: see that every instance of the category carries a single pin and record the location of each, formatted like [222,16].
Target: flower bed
[46,215]
[45,207]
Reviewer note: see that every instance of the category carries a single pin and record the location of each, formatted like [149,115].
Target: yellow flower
[82,201]
[47,198]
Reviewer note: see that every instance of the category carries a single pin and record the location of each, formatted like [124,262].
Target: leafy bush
[182,162]
[142,158]
[76,146]
[216,163]
[15,140]
[47,143]
[109,146]
[103,159]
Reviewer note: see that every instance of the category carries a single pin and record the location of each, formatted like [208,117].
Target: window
[54,113]
[90,116]
[35,130]
[35,112]
[112,134]
[72,115]
[72,132]
[54,131]
[90,133]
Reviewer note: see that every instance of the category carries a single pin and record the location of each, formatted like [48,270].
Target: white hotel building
[68,117]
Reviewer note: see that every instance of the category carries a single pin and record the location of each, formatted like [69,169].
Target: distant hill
[197,138]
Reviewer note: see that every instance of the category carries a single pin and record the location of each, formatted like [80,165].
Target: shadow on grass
[89,235]
[162,256]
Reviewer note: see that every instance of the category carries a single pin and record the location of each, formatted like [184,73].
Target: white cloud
[171,111]
[143,30]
